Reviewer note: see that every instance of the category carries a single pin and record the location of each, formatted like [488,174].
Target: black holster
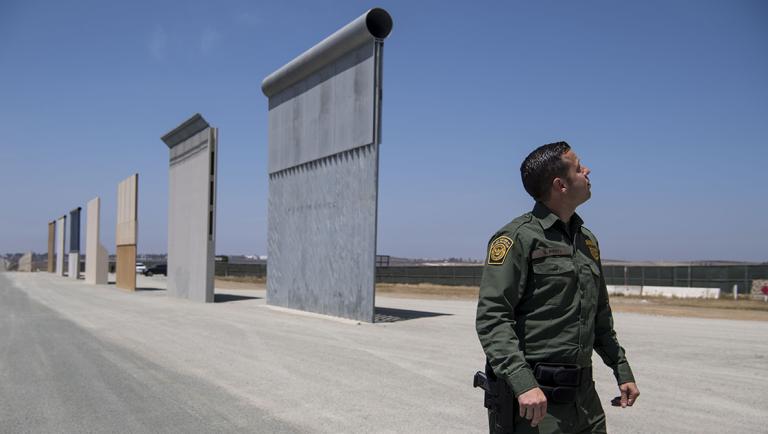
[498,399]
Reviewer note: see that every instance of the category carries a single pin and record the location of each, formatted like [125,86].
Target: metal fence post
[689,275]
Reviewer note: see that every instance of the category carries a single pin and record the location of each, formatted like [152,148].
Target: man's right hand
[533,405]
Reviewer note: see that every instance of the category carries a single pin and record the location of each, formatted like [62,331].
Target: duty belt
[560,381]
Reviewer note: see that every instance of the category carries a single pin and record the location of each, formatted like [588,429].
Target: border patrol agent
[543,308]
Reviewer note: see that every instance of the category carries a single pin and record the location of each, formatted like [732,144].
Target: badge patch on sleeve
[497,253]
[593,249]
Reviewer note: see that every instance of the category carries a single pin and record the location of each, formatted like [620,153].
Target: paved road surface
[82,358]
[56,377]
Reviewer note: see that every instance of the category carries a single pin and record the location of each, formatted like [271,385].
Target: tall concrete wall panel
[126,235]
[324,134]
[322,235]
[60,242]
[51,246]
[74,244]
[192,209]
[96,258]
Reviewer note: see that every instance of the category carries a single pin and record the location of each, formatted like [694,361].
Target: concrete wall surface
[60,242]
[322,236]
[664,291]
[330,112]
[126,232]
[191,212]
[96,258]
[324,129]
[25,262]
[73,265]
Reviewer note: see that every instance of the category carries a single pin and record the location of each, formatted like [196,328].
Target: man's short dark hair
[542,166]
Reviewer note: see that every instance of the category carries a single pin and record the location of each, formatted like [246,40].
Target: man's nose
[586,170]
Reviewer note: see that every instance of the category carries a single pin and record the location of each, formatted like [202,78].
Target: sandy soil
[754,310]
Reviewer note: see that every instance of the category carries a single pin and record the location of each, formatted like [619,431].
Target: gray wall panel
[190,206]
[74,230]
[324,113]
[329,112]
[322,235]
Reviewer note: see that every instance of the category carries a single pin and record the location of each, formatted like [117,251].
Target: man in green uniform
[543,308]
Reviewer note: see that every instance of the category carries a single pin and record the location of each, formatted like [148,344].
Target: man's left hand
[629,394]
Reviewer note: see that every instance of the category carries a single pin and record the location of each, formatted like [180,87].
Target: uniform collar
[547,218]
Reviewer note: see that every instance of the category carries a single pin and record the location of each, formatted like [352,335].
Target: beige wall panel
[61,233]
[51,243]
[126,232]
[96,258]
[126,267]
[127,207]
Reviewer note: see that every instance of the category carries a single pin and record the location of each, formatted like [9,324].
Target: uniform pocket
[553,277]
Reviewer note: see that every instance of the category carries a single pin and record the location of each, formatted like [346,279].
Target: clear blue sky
[666,102]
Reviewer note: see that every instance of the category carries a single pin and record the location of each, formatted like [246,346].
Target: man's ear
[559,185]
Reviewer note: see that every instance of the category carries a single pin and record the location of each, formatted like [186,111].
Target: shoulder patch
[593,249]
[497,253]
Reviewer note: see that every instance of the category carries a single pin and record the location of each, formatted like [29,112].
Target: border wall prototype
[74,244]
[96,258]
[51,267]
[61,230]
[126,232]
[324,135]
[192,209]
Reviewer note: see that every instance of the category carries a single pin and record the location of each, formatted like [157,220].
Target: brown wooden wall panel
[51,241]
[126,267]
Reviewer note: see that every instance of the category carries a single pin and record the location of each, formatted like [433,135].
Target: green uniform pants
[586,415]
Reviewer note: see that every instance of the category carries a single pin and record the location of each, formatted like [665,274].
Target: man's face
[577,179]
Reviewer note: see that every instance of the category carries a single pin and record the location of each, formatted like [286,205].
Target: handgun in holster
[499,399]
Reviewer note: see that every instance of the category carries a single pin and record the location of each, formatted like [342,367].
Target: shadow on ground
[147,288]
[224,298]
[387,314]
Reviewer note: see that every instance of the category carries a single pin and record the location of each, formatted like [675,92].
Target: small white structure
[664,291]
[25,262]
[60,238]
[96,258]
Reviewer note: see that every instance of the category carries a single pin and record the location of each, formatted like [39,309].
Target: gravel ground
[241,365]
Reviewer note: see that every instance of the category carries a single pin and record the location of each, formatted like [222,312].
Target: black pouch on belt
[558,381]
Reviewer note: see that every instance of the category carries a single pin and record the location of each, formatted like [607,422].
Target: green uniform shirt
[543,299]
